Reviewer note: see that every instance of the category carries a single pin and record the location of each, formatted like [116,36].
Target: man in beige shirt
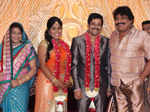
[129,47]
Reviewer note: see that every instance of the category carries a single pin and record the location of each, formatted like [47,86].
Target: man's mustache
[119,24]
[95,28]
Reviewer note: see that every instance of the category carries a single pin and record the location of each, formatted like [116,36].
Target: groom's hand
[78,94]
[109,93]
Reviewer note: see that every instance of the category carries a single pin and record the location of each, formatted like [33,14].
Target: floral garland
[89,93]
[57,61]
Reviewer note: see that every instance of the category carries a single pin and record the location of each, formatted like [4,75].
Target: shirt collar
[132,30]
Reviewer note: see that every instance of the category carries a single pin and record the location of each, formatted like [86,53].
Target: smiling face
[95,27]
[16,35]
[55,31]
[123,23]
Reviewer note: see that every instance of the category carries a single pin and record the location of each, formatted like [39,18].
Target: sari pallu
[15,99]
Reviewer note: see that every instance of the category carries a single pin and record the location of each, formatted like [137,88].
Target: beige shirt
[127,55]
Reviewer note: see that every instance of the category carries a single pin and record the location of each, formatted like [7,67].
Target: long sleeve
[108,66]
[74,66]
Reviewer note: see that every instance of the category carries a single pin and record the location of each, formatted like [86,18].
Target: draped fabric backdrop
[33,14]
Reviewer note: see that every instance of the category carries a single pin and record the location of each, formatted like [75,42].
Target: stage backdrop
[33,14]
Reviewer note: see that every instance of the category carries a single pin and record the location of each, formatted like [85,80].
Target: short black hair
[145,22]
[123,10]
[95,16]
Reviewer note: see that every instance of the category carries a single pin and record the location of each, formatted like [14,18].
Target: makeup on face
[56,30]
[16,35]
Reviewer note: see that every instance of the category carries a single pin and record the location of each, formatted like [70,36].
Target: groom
[91,67]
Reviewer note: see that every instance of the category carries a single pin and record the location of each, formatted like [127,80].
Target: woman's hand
[78,94]
[58,83]
[14,83]
[68,84]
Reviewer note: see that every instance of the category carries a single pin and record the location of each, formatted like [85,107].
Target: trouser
[147,94]
[130,97]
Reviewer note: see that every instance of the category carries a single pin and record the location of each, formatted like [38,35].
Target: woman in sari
[17,67]
[54,75]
